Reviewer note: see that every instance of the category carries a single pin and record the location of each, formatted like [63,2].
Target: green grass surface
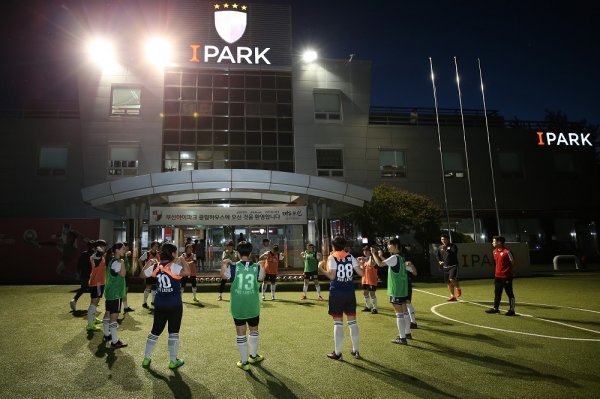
[47,354]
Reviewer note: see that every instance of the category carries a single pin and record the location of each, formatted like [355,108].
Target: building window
[510,165]
[123,160]
[564,166]
[392,163]
[125,101]
[328,106]
[53,161]
[330,162]
[454,164]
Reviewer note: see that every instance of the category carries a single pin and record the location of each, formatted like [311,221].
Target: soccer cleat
[97,321]
[128,309]
[510,313]
[93,328]
[458,292]
[374,311]
[413,326]
[146,362]
[366,309]
[334,356]
[409,336]
[356,355]
[256,359]
[118,344]
[196,299]
[303,297]
[175,364]
[220,298]
[452,299]
[400,341]
[107,338]
[243,366]
[145,306]
[73,305]
[492,310]
[320,298]
[272,298]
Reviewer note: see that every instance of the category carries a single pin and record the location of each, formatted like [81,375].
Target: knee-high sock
[406,323]
[146,293]
[91,314]
[400,324]
[411,312]
[318,287]
[106,326]
[153,292]
[374,299]
[173,346]
[253,343]
[242,344]
[194,291]
[273,290]
[150,344]
[125,304]
[338,336]
[114,326]
[263,288]
[367,301]
[353,326]
[305,288]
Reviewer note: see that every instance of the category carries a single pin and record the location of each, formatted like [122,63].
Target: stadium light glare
[158,51]
[102,53]
[309,56]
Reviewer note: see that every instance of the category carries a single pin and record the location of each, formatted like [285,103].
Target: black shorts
[113,305]
[271,277]
[450,273]
[399,300]
[164,315]
[97,291]
[252,322]
[150,280]
[340,304]
[369,287]
[311,275]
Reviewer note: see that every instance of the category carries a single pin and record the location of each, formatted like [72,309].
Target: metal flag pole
[487,129]
[437,121]
[462,118]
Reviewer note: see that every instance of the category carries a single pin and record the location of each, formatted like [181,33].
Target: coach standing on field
[503,276]
[447,256]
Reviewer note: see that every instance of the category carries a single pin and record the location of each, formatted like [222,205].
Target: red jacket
[503,259]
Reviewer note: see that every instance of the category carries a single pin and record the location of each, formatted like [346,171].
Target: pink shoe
[452,299]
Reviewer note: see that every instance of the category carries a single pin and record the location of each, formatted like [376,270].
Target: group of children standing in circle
[168,273]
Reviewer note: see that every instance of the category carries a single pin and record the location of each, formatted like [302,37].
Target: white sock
[411,313]
[400,324]
[264,288]
[114,326]
[353,334]
[173,346]
[338,336]
[305,288]
[318,287]
[406,323]
[153,292]
[150,344]
[367,302]
[194,291]
[272,290]
[242,344]
[106,326]
[146,293]
[125,306]
[253,343]
[91,314]
[374,299]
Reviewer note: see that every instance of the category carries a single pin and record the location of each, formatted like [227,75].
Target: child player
[190,258]
[397,288]
[369,280]
[341,269]
[411,271]
[271,265]
[96,283]
[244,306]
[114,292]
[168,307]
[228,255]
[311,263]
[150,281]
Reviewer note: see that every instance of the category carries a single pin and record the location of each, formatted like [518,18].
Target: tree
[392,211]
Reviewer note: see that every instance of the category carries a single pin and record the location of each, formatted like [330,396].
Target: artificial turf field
[458,351]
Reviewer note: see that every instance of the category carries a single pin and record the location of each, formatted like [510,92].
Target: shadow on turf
[121,371]
[277,385]
[401,380]
[178,386]
[469,337]
[501,366]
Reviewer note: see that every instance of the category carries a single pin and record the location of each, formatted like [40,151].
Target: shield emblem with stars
[230,25]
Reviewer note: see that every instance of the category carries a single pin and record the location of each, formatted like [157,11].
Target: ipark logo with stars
[230,21]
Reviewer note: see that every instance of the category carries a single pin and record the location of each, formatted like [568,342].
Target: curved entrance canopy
[195,187]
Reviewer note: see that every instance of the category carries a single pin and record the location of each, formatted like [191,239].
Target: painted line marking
[434,311]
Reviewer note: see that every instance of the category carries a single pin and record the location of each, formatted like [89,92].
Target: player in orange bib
[369,279]
[271,261]
[96,284]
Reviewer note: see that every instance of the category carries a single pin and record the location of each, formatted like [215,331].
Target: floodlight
[158,51]
[309,56]
[102,53]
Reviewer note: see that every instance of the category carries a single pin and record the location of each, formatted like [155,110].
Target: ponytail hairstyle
[110,254]
[166,251]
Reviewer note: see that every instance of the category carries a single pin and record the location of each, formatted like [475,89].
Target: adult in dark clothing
[200,251]
[83,271]
[447,256]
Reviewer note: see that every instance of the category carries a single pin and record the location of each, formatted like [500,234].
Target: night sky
[535,55]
